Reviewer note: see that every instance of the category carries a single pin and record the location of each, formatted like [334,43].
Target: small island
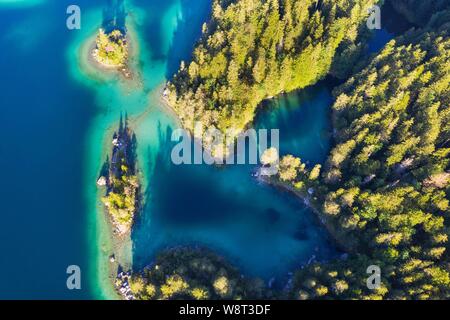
[111,51]
[122,200]
[111,48]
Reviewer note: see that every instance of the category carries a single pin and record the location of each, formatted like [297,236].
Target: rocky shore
[122,284]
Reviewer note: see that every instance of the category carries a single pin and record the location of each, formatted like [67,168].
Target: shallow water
[19,3]
[56,127]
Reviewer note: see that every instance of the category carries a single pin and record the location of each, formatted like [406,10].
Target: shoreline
[119,244]
[156,94]
[129,73]
[104,270]
[105,84]
[119,254]
[339,240]
[330,228]
[165,105]
[123,70]
[115,246]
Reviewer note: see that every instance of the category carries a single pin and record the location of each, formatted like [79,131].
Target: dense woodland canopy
[111,49]
[252,50]
[194,274]
[386,186]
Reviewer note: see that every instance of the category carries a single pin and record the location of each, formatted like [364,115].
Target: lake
[57,122]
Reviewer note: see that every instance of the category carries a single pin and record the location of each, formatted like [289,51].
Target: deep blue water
[392,24]
[44,116]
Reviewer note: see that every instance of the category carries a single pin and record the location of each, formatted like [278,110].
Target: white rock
[101,181]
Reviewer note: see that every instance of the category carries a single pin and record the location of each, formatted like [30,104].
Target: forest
[111,49]
[253,50]
[194,274]
[386,185]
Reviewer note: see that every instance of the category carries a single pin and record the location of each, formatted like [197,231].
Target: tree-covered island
[111,48]
[114,44]
[119,175]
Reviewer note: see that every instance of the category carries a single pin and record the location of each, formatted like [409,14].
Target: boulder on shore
[101,182]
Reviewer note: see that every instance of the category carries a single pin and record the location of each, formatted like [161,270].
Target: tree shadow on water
[187,33]
[114,16]
[143,242]
[155,36]
[185,197]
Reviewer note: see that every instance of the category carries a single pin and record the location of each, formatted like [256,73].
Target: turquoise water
[265,232]
[57,115]
[19,3]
